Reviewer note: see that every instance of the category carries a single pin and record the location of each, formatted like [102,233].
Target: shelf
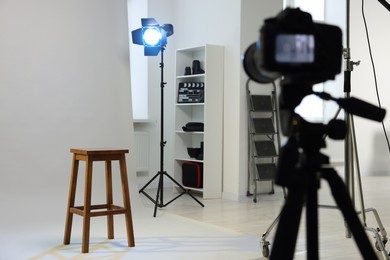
[190,76]
[189,104]
[184,132]
[192,49]
[193,189]
[188,160]
[209,112]
[144,121]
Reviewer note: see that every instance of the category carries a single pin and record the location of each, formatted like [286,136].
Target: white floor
[183,230]
[254,218]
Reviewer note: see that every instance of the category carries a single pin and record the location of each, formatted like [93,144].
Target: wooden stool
[86,211]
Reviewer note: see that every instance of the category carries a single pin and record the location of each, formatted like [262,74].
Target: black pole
[348,167]
[162,84]
[162,142]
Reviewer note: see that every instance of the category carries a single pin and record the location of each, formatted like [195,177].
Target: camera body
[292,45]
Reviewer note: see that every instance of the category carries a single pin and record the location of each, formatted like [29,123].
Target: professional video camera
[293,45]
[302,53]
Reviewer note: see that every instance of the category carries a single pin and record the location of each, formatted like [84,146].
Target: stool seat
[109,209]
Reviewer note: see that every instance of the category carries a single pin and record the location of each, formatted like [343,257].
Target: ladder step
[266,171]
[265,148]
[261,103]
[263,126]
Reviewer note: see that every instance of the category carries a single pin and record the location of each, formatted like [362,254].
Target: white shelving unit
[209,112]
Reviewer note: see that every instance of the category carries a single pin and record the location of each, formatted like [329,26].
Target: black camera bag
[192,174]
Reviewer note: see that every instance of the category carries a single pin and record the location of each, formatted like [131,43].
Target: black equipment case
[192,174]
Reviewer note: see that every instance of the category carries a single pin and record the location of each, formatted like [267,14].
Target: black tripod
[159,201]
[300,170]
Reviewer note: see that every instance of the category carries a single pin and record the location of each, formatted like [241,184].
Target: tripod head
[302,149]
[305,139]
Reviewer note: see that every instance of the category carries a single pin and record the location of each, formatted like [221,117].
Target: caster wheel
[377,244]
[266,251]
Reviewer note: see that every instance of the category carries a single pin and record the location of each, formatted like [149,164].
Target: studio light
[154,39]
[152,36]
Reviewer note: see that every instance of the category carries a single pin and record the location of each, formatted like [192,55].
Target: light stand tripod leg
[381,240]
[349,175]
[184,191]
[379,244]
[142,190]
[344,203]
[159,195]
[357,166]
[264,243]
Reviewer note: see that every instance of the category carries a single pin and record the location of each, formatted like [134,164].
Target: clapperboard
[190,92]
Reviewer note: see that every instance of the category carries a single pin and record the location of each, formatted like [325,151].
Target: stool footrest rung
[110,210]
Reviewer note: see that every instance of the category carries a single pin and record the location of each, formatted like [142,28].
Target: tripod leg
[344,203]
[159,193]
[183,189]
[147,184]
[287,230]
[312,216]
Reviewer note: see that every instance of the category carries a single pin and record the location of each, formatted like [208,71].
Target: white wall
[64,82]
[162,11]
[218,22]
[372,147]
[253,13]
[335,13]
[137,9]
[213,22]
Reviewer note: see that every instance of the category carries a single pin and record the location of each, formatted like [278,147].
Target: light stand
[165,30]
[351,154]
[159,201]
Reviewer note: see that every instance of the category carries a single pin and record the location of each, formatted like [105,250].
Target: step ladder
[263,139]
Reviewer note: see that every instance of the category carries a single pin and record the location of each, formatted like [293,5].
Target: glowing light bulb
[152,36]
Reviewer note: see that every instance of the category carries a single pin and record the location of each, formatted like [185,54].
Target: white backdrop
[64,82]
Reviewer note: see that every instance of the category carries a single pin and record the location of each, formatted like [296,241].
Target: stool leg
[110,218]
[126,201]
[71,199]
[87,205]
